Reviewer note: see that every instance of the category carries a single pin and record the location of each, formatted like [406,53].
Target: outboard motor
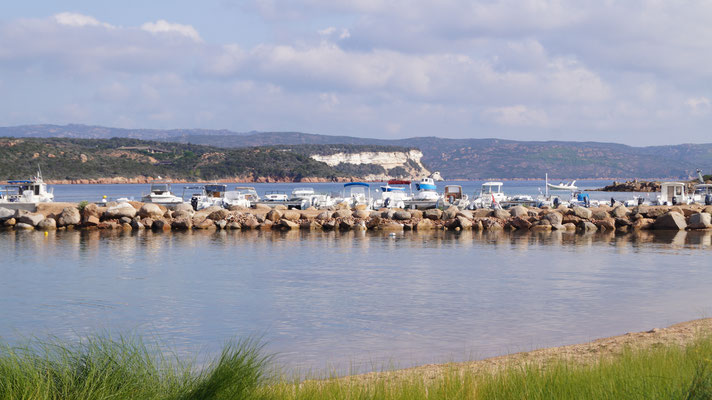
[613,202]
[556,202]
[708,200]
[640,201]
[387,202]
[587,201]
[194,203]
[674,200]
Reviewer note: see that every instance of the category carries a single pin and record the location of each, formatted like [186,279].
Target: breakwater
[139,216]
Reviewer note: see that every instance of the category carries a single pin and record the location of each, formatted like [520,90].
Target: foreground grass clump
[103,368]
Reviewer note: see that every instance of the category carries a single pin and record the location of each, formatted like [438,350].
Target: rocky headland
[139,216]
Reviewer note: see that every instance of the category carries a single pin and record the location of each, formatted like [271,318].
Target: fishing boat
[490,196]
[454,196]
[160,193]
[26,194]
[673,193]
[394,194]
[357,193]
[426,195]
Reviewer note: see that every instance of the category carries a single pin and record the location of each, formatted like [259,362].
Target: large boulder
[150,210]
[554,218]
[182,224]
[342,213]
[670,221]
[643,223]
[362,214]
[700,221]
[501,214]
[6,214]
[464,223]
[123,209]
[518,211]
[184,207]
[219,215]
[424,225]
[608,224]
[582,212]
[520,223]
[90,210]
[599,214]
[482,213]
[292,215]
[587,226]
[401,215]
[433,213]
[323,216]
[30,219]
[47,224]
[274,215]
[620,212]
[450,213]
[287,224]
[69,216]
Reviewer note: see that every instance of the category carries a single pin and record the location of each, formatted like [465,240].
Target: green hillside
[64,158]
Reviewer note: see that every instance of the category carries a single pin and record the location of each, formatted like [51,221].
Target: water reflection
[339,298]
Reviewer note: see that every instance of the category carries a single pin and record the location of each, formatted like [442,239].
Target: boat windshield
[160,187]
[703,189]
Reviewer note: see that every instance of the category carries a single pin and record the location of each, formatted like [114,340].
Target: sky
[633,72]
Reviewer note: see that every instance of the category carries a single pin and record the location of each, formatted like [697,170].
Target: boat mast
[546,185]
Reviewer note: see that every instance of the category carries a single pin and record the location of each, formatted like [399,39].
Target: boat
[454,196]
[490,196]
[426,195]
[275,196]
[305,197]
[209,195]
[26,194]
[160,193]
[563,186]
[673,193]
[236,198]
[519,200]
[702,194]
[249,192]
[394,194]
[359,193]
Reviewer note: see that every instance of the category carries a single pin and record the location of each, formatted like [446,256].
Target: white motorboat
[702,194]
[359,193]
[236,198]
[210,195]
[26,193]
[490,196]
[563,186]
[305,197]
[454,196]
[673,193]
[160,193]
[275,196]
[394,194]
[426,195]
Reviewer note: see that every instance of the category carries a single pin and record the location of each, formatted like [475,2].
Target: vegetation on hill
[73,159]
[454,158]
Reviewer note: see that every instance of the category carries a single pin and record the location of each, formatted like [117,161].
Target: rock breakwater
[140,216]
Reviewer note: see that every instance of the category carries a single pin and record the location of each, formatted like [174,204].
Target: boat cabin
[672,193]
[214,190]
[249,192]
[453,193]
[160,188]
[491,188]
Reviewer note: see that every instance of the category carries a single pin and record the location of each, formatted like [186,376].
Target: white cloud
[79,20]
[699,105]
[162,27]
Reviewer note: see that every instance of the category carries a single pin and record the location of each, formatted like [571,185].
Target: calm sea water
[352,300]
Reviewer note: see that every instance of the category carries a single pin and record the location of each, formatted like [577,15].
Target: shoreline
[678,334]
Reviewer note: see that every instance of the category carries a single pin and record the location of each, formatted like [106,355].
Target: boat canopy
[398,182]
[425,186]
[493,184]
[356,184]
[19,182]
[215,188]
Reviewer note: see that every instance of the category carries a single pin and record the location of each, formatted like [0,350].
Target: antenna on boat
[546,185]
[39,172]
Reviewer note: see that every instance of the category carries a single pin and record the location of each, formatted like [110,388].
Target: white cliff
[408,160]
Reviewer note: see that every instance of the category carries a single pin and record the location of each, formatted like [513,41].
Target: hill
[454,158]
[70,159]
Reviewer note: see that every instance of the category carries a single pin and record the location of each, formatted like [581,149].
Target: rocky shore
[139,216]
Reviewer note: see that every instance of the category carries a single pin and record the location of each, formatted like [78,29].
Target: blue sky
[633,72]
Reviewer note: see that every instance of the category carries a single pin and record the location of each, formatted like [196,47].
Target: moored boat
[160,193]
[26,194]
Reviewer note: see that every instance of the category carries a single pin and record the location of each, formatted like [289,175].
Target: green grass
[103,368]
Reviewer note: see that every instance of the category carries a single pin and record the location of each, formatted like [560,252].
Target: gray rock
[323,216]
[274,215]
[346,225]
[137,225]
[233,225]
[362,214]
[221,224]
[464,223]
[220,214]
[401,215]
[69,216]
[620,212]
[433,213]
[501,214]
[292,215]
[23,226]
[121,210]
[30,219]
[582,212]
[182,224]
[554,218]
[184,207]
[342,213]
[599,214]
[125,220]
[700,221]
[150,210]
[47,224]
[670,221]
[6,214]
[587,226]
[450,213]
[518,211]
